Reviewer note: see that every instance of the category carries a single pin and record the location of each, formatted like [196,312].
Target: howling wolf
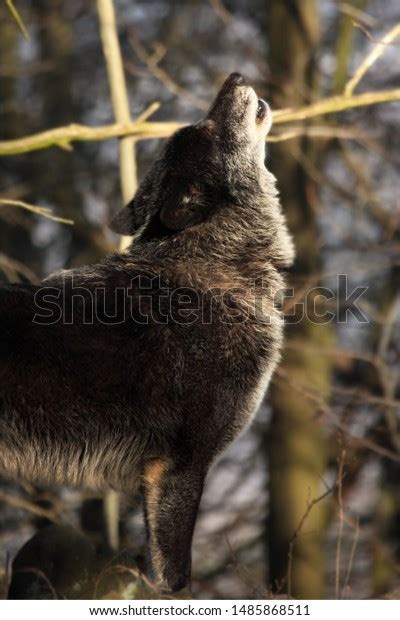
[139,370]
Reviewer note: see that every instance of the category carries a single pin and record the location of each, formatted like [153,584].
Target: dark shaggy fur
[142,368]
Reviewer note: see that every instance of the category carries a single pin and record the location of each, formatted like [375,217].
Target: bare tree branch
[64,136]
[43,211]
[24,504]
[371,58]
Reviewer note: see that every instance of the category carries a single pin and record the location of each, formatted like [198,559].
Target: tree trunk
[296,444]
[386,542]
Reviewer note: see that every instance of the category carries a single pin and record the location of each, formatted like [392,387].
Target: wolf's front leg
[172,494]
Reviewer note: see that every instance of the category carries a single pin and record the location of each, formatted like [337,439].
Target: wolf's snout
[235,79]
[229,97]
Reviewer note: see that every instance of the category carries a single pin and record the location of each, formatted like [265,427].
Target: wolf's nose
[236,79]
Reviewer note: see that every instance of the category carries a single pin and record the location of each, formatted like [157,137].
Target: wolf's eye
[261,110]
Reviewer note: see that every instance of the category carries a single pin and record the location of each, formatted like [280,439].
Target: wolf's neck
[246,240]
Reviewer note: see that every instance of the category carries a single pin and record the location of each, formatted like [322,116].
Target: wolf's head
[203,166]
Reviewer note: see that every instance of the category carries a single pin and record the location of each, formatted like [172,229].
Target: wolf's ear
[125,221]
[185,209]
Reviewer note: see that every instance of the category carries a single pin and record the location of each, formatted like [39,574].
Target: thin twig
[340,533]
[147,112]
[315,397]
[39,573]
[335,104]
[12,266]
[151,62]
[24,504]
[17,18]
[323,131]
[221,10]
[310,506]
[370,59]
[43,211]
[120,568]
[346,586]
[358,14]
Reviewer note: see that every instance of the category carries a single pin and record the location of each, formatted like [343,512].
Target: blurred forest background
[307,502]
